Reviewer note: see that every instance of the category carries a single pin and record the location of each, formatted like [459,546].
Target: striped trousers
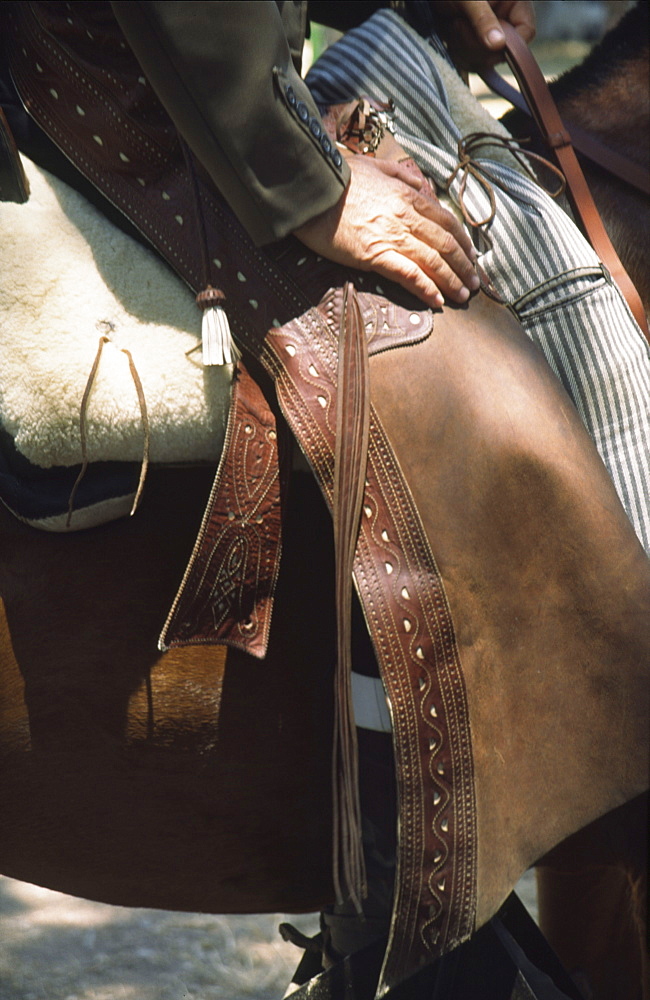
[532,253]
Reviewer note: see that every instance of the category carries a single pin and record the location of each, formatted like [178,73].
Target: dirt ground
[58,947]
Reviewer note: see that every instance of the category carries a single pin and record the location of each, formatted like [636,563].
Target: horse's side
[121,768]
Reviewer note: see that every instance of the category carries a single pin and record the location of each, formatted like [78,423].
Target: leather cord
[469,165]
[83,415]
[544,110]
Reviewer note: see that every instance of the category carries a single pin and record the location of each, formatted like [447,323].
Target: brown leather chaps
[506,594]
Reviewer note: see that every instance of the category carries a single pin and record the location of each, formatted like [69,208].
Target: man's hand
[472,29]
[387,223]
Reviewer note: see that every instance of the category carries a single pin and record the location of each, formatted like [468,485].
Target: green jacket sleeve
[225,75]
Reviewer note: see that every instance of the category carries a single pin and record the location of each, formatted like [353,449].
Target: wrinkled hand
[472,30]
[387,222]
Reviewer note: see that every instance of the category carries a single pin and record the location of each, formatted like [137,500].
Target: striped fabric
[532,252]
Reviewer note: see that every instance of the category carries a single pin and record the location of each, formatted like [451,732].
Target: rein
[584,142]
[544,111]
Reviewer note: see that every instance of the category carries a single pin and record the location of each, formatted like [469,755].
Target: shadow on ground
[58,947]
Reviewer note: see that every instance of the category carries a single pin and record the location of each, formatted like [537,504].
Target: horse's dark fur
[627,40]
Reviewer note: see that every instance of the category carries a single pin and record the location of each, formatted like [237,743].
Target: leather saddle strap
[350,460]
[582,141]
[544,110]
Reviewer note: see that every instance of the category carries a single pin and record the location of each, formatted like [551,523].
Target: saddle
[506,595]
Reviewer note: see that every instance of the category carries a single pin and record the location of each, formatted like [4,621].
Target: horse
[122,767]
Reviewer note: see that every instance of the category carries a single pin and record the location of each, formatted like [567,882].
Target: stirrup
[508,959]
[311,963]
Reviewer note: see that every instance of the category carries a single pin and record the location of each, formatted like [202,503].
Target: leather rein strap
[585,143]
[544,110]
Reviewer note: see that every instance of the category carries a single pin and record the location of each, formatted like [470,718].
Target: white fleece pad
[67,277]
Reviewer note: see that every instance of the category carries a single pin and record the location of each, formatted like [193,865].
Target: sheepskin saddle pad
[69,279]
[70,282]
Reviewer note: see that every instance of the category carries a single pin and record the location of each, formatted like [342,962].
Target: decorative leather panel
[413,634]
[385,322]
[227,593]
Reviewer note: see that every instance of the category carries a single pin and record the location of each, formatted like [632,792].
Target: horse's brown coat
[131,805]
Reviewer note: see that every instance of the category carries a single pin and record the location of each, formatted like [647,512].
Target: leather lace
[83,413]
[470,166]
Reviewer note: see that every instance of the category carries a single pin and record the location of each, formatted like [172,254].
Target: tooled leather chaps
[505,592]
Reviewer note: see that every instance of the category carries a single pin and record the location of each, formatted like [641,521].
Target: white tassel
[219,348]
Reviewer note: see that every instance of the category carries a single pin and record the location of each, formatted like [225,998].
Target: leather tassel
[219,348]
